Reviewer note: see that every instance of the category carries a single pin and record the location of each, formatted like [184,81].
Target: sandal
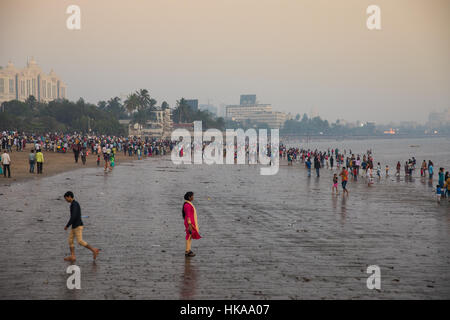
[189,254]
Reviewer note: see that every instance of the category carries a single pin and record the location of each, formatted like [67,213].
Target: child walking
[335,184]
[438,193]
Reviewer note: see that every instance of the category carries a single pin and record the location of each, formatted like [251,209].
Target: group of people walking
[354,166]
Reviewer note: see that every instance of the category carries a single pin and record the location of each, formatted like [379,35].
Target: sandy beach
[54,163]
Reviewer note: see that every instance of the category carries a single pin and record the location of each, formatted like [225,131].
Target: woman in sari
[190,222]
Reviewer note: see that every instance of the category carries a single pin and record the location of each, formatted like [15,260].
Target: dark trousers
[31,166]
[39,167]
[6,167]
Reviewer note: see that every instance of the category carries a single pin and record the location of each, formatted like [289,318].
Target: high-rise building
[193,103]
[248,99]
[19,84]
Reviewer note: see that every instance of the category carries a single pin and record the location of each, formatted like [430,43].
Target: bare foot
[96,252]
[70,258]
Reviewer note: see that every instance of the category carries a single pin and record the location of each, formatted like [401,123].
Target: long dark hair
[186,197]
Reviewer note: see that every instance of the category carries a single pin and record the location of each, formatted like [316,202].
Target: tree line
[58,115]
[63,115]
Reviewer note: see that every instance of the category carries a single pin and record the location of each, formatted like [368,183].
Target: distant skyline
[299,56]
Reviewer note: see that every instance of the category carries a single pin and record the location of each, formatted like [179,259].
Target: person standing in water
[106,159]
[77,228]
[344,176]
[441,176]
[398,169]
[308,166]
[317,166]
[423,169]
[335,184]
[379,171]
[190,222]
[430,169]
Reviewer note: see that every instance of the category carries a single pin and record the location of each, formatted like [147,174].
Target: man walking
[76,151]
[6,162]
[32,160]
[77,228]
[317,166]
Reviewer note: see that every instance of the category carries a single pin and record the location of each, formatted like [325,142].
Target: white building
[160,127]
[19,84]
[256,113]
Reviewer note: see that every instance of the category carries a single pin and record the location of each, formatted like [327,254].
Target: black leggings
[6,167]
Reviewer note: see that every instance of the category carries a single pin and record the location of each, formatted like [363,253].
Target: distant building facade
[255,113]
[243,112]
[193,103]
[159,128]
[19,84]
[248,99]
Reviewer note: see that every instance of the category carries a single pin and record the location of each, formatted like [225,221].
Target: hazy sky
[298,55]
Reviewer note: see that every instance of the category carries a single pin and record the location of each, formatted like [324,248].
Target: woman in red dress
[190,222]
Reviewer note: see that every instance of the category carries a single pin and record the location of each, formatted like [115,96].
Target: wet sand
[264,237]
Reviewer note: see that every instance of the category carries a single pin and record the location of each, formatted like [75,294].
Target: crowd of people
[355,165]
[348,164]
[82,145]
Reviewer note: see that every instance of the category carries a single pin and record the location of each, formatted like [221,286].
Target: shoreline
[360,138]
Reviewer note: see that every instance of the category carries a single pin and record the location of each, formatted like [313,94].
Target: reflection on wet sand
[264,236]
[189,282]
[343,207]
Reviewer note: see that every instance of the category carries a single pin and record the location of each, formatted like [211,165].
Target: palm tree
[101,105]
[132,103]
[115,107]
[182,110]
[164,105]
[144,99]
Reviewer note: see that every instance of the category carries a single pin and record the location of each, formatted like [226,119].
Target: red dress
[190,215]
